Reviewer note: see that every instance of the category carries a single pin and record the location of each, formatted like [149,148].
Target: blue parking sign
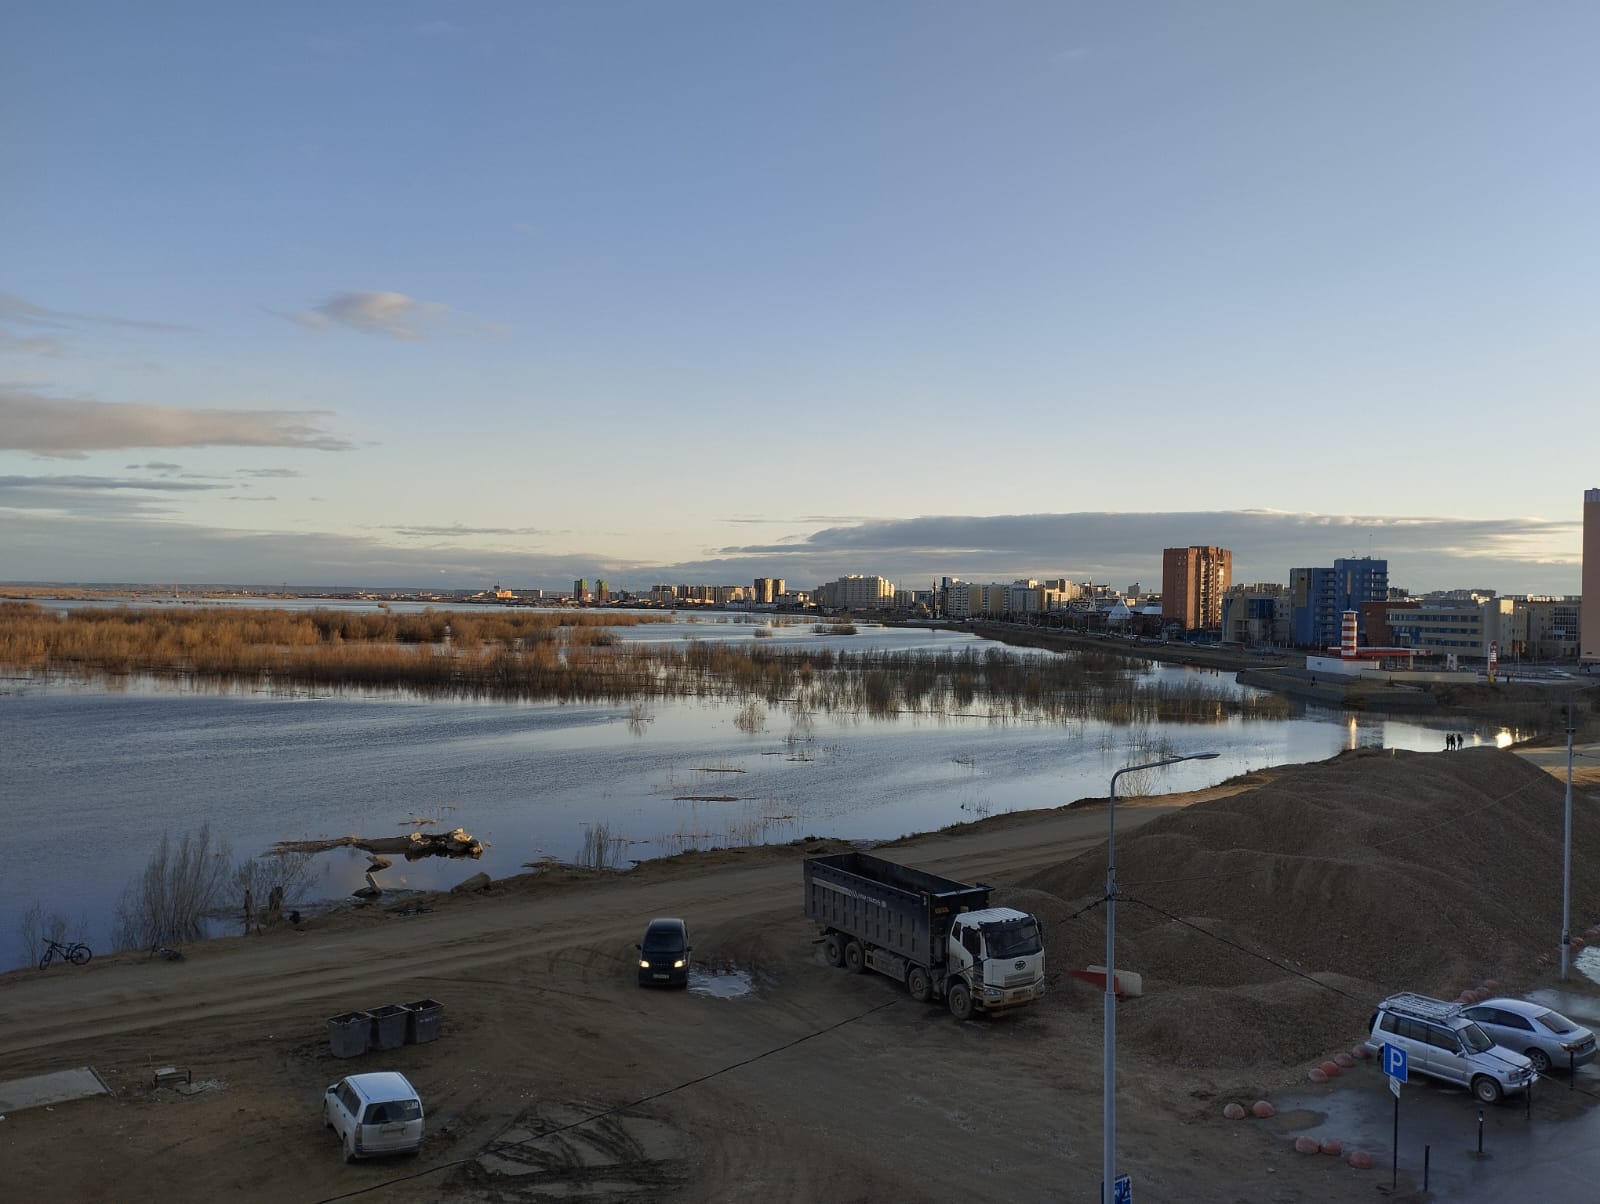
[1122,1190]
[1394,1062]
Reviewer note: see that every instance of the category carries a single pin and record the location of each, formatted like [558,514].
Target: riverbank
[1533,708]
[539,1085]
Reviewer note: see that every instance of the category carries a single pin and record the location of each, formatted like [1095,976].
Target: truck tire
[833,950]
[917,984]
[855,957]
[960,1001]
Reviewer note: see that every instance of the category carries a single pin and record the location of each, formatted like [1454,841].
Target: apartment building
[1193,582]
[1321,595]
[1462,627]
[856,592]
[1257,616]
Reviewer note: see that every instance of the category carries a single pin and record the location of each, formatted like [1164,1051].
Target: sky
[416,294]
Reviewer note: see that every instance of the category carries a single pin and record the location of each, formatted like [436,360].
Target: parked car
[375,1113]
[664,953]
[1547,1038]
[1442,1043]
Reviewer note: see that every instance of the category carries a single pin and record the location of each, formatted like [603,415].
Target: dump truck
[938,937]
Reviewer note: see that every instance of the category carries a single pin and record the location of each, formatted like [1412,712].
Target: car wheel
[961,1001]
[917,984]
[1540,1060]
[855,957]
[1486,1089]
[833,950]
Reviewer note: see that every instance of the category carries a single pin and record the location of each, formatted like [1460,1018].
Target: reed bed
[574,657]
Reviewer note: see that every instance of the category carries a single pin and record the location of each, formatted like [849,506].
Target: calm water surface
[95,774]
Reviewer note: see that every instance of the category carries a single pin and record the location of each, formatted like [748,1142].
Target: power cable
[644,1099]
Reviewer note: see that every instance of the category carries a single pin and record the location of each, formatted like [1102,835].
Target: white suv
[1441,1042]
[378,1113]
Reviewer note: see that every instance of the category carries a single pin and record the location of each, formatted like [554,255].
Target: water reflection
[108,767]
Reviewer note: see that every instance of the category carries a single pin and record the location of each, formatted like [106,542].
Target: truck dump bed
[893,906]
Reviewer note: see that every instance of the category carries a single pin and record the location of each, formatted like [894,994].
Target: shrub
[168,902]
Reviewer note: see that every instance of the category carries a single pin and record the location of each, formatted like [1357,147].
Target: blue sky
[474,293]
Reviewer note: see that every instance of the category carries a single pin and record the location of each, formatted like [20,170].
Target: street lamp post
[1109,1118]
[1566,859]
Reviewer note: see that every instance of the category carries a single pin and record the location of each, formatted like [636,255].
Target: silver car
[1547,1038]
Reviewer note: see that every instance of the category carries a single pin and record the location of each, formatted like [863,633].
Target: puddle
[722,983]
[1587,963]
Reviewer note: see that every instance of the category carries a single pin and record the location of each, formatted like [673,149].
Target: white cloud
[393,314]
[70,428]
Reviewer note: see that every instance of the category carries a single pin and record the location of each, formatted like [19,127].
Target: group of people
[1452,740]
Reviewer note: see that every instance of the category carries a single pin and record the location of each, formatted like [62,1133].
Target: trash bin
[349,1034]
[388,1026]
[422,1020]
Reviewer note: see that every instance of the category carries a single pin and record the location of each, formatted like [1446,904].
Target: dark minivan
[664,954]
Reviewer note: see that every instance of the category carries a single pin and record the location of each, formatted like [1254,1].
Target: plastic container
[349,1034]
[422,1020]
[388,1026]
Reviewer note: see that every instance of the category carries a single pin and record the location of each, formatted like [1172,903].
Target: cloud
[81,483]
[393,314]
[270,472]
[87,497]
[17,312]
[41,344]
[113,540]
[156,466]
[26,313]
[1511,554]
[459,532]
[68,429]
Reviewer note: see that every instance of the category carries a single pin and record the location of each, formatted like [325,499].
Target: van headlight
[643,965]
[679,964]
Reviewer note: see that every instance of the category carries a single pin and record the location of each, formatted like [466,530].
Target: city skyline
[399,294]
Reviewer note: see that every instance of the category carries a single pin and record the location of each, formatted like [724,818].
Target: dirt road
[556,1077]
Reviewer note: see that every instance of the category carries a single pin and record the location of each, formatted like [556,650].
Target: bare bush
[168,902]
[256,878]
[601,850]
[38,927]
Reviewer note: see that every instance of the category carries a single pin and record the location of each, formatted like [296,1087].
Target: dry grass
[565,656]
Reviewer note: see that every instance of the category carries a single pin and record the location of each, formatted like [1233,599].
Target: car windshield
[663,940]
[1475,1039]
[1556,1022]
[392,1112]
[1012,938]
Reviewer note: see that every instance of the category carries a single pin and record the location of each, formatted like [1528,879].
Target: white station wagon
[377,1113]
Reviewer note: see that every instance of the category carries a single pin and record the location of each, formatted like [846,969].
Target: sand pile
[1373,872]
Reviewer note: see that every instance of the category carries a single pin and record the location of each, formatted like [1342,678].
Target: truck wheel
[1486,1089]
[855,957]
[960,1001]
[917,984]
[833,950]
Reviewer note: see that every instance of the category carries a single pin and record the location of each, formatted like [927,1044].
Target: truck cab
[1000,952]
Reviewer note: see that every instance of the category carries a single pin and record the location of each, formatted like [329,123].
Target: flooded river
[93,775]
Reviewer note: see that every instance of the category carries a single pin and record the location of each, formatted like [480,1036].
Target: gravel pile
[1373,872]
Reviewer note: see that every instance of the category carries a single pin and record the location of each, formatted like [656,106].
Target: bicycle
[77,953]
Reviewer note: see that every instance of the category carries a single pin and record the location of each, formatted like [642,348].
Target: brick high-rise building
[1589,616]
[1193,581]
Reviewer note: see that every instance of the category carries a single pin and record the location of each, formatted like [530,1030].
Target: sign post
[1396,1066]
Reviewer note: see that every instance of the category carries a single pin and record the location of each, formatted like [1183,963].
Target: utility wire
[644,1099]
[1380,844]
